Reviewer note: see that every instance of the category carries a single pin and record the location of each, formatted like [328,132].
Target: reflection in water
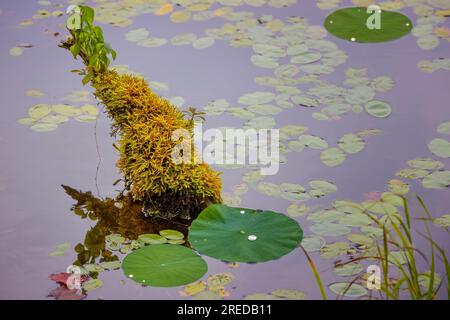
[113,216]
[120,216]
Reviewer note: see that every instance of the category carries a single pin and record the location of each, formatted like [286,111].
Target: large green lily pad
[350,24]
[164,265]
[243,235]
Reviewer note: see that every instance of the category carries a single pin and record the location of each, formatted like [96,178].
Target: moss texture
[145,123]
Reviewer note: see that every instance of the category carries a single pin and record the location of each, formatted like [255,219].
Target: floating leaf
[202,43]
[313,243]
[92,285]
[290,294]
[34,93]
[39,111]
[180,16]
[440,147]
[443,221]
[258,97]
[329,229]
[152,238]
[348,269]
[66,110]
[352,290]
[398,187]
[313,142]
[293,192]
[86,118]
[206,295]
[351,143]
[295,210]
[437,180]
[44,127]
[89,109]
[350,24]
[60,249]
[333,250]
[193,289]
[378,109]
[172,234]
[261,296]
[111,265]
[332,157]
[163,265]
[16,51]
[137,35]
[324,187]
[444,128]
[243,235]
[426,164]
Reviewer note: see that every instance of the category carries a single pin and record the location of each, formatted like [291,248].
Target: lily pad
[290,294]
[329,229]
[350,24]
[171,234]
[313,243]
[152,238]
[378,109]
[440,147]
[332,157]
[92,284]
[437,180]
[348,269]
[163,265]
[351,143]
[352,290]
[444,128]
[243,235]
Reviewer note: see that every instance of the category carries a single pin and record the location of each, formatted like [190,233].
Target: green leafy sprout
[87,41]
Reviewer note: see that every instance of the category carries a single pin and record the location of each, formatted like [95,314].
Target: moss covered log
[143,123]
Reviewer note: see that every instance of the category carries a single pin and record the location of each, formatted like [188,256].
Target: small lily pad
[290,294]
[348,269]
[111,265]
[92,284]
[378,109]
[171,234]
[350,24]
[440,147]
[152,238]
[332,157]
[352,290]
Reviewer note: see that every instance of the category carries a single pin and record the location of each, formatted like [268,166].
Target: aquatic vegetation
[350,24]
[164,265]
[60,249]
[278,294]
[45,117]
[144,123]
[243,235]
[399,258]
[214,288]
[119,228]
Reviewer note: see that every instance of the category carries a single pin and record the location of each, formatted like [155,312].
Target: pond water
[218,63]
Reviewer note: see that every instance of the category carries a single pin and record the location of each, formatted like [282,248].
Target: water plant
[243,235]
[399,257]
[143,123]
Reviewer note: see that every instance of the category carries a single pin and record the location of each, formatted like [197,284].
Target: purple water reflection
[35,212]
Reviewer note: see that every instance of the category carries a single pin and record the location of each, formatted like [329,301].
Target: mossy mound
[145,123]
